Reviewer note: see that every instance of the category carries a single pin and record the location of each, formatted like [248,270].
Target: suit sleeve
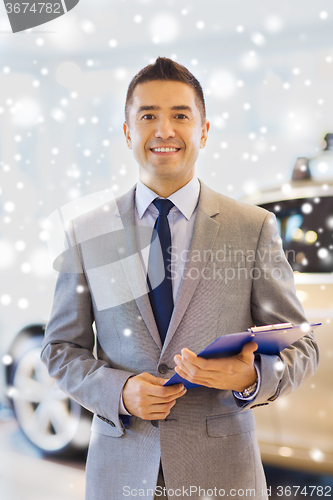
[274,300]
[68,345]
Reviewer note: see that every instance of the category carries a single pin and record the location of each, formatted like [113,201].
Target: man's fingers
[143,393]
[248,350]
[214,371]
[156,411]
[160,407]
[153,387]
[157,381]
[151,379]
[167,396]
[188,358]
[159,391]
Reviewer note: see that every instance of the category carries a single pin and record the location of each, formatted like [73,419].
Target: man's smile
[165,151]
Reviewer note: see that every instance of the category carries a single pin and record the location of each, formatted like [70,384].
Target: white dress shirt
[181,221]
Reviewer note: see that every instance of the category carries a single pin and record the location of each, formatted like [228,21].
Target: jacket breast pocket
[232,261]
[230,424]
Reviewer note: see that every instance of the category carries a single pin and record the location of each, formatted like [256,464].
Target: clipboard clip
[267,328]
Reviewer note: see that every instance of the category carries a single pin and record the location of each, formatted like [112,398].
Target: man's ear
[204,133]
[127,134]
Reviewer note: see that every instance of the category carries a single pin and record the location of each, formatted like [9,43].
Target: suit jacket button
[154,423]
[163,368]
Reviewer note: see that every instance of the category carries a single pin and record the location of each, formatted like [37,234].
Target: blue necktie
[160,296]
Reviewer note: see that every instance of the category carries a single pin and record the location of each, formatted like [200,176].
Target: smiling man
[151,440]
[165,137]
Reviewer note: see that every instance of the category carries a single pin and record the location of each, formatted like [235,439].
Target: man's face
[164,114]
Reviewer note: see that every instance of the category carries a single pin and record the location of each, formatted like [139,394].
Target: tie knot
[163,206]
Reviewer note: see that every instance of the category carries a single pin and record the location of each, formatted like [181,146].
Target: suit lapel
[134,273]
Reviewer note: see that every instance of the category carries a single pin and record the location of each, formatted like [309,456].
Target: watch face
[249,390]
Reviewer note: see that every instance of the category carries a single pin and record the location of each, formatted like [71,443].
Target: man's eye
[145,117]
[181,116]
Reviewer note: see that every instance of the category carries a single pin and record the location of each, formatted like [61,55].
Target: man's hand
[235,373]
[144,396]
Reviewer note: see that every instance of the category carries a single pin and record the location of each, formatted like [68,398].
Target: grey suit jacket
[236,276]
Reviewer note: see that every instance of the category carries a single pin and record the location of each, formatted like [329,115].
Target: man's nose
[164,129]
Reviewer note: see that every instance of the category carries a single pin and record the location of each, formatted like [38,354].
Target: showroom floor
[24,474]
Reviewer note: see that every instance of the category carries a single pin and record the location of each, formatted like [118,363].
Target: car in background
[296,430]
[50,420]
[53,422]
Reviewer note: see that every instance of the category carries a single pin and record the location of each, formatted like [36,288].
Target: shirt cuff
[122,410]
[237,395]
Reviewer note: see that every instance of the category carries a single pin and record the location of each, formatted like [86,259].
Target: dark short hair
[166,69]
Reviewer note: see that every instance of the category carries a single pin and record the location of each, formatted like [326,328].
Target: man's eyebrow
[181,107]
[147,108]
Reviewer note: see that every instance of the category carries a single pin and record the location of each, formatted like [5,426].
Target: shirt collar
[185,199]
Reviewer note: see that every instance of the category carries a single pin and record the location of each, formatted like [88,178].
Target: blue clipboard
[271,339]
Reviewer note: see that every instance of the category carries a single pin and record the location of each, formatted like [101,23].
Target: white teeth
[165,150]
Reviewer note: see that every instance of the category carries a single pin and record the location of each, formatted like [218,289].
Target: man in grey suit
[227,272]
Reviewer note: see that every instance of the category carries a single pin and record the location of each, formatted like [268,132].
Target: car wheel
[50,420]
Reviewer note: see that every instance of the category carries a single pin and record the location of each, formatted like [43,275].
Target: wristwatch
[249,390]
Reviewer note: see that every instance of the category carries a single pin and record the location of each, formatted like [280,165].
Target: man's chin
[167,173]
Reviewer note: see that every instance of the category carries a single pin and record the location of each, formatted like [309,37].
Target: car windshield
[321,167]
[306,229]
